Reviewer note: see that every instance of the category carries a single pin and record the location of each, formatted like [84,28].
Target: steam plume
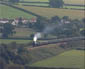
[36,36]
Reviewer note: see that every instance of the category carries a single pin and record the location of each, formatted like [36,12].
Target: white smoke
[49,29]
[36,36]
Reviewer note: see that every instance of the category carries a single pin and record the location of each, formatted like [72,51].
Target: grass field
[23,32]
[35,4]
[73,58]
[74,7]
[72,2]
[8,12]
[6,41]
[36,0]
[77,2]
[50,12]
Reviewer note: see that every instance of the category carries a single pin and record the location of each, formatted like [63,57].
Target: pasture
[36,0]
[34,4]
[50,12]
[79,4]
[23,32]
[73,58]
[10,13]
[7,41]
[74,7]
[76,2]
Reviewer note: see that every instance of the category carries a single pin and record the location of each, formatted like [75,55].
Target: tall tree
[39,25]
[55,19]
[7,30]
[20,21]
[56,3]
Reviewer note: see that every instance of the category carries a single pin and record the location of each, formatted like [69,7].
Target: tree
[66,18]
[83,20]
[56,3]
[55,19]
[20,21]
[7,30]
[39,25]
[82,31]
[14,1]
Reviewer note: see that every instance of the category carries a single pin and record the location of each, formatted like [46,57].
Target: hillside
[8,12]
[73,58]
[73,14]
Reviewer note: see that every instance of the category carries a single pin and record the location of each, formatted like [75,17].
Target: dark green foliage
[20,21]
[55,19]
[39,25]
[83,20]
[82,32]
[7,30]
[14,1]
[13,55]
[56,3]
[65,18]
[32,35]
[30,25]
[67,29]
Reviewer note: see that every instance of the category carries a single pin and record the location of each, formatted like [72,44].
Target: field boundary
[21,9]
[37,6]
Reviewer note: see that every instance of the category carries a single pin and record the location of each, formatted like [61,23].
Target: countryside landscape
[42,34]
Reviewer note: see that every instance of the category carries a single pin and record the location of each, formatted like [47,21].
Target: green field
[35,4]
[73,58]
[8,12]
[77,2]
[74,7]
[6,41]
[36,0]
[73,14]
[23,32]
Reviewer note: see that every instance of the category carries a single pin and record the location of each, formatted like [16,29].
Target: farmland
[7,41]
[78,2]
[8,12]
[73,14]
[23,32]
[74,7]
[34,4]
[45,3]
[73,58]
[37,0]
[49,23]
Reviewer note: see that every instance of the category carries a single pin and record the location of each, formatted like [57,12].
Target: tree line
[62,27]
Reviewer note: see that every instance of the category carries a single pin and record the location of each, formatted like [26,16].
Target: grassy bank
[73,58]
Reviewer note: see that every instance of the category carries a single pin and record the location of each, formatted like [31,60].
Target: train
[57,41]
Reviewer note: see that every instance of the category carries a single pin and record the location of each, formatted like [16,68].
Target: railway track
[56,41]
